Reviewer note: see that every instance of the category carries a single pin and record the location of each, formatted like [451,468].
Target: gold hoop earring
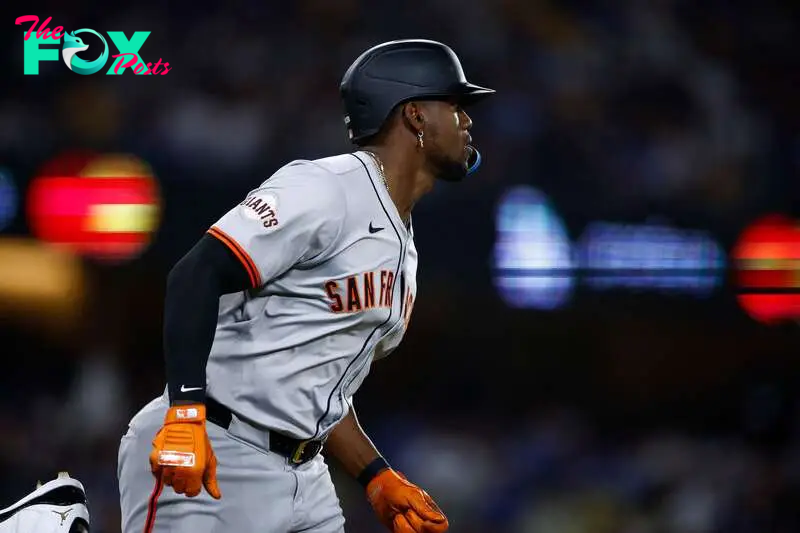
[420,142]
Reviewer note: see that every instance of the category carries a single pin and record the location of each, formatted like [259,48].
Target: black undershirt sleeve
[191,308]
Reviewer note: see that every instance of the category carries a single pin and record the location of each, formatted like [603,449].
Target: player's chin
[453,170]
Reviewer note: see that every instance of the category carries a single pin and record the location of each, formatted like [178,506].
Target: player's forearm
[189,324]
[351,447]
[190,315]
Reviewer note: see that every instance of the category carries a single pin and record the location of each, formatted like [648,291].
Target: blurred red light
[106,208]
[767,259]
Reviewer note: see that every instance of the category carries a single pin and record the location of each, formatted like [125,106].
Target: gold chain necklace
[379,164]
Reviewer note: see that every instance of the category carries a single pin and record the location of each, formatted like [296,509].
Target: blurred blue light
[532,257]
[536,266]
[9,199]
[650,256]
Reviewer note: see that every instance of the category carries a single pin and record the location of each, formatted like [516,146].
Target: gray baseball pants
[261,491]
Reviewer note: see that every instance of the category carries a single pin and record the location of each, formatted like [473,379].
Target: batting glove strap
[186,414]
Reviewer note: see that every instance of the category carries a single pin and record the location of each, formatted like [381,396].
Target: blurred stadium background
[580,359]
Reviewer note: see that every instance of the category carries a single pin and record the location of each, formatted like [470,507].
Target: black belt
[296,450]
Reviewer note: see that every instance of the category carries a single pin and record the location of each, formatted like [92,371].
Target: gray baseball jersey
[335,271]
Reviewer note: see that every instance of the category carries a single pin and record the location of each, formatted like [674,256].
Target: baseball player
[273,319]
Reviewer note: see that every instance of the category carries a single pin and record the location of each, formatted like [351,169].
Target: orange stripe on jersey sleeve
[240,253]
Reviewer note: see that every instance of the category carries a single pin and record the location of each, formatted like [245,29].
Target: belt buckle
[297,457]
[302,448]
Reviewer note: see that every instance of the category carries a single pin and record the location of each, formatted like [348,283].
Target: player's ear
[413,116]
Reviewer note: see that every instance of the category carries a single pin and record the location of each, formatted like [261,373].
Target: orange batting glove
[182,456]
[402,506]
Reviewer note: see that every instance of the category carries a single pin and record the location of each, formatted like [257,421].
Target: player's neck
[406,177]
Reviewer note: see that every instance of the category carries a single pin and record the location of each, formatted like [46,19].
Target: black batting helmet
[399,71]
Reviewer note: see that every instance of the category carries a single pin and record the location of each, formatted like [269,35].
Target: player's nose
[465,121]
